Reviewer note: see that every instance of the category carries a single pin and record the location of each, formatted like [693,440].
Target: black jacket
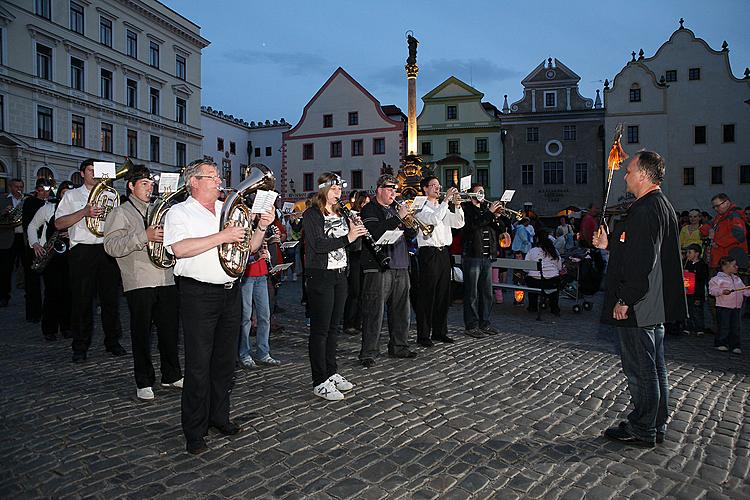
[317,243]
[378,221]
[645,268]
[476,219]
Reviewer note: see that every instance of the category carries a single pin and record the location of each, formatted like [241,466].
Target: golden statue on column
[411,172]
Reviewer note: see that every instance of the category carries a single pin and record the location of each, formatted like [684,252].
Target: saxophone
[160,256]
[106,197]
[55,244]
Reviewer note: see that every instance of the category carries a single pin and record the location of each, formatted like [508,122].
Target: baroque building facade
[460,135]
[343,129]
[234,144]
[97,78]
[553,142]
[685,103]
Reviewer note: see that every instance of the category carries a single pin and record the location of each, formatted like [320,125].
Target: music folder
[390,237]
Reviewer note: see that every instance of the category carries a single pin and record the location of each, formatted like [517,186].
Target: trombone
[411,221]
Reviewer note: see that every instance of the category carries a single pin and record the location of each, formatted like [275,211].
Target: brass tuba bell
[157,253]
[105,196]
[234,256]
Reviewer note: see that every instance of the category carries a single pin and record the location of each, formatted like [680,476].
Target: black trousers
[352,309]
[211,317]
[92,273]
[546,284]
[326,295]
[157,305]
[434,292]
[32,283]
[8,258]
[57,298]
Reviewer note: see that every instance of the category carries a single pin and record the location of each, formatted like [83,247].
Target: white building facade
[459,135]
[343,129]
[685,103]
[103,79]
[233,143]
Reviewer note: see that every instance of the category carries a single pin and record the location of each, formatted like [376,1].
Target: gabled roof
[562,74]
[452,80]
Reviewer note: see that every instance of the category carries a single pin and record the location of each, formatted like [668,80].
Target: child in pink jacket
[726,287]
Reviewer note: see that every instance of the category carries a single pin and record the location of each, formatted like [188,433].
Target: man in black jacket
[482,226]
[644,291]
[385,287]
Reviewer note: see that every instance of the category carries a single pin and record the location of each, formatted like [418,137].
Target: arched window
[45,173]
[635,93]
[77,179]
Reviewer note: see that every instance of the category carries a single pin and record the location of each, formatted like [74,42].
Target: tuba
[157,253]
[105,196]
[234,256]
[12,218]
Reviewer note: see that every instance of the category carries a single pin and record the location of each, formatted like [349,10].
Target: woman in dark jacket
[327,233]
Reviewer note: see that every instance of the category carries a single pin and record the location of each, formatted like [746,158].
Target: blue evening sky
[268,58]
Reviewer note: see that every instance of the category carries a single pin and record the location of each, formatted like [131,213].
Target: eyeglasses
[720,204]
[212,177]
[389,186]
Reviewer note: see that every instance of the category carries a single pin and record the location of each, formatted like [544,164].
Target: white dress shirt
[40,220]
[443,219]
[190,219]
[73,201]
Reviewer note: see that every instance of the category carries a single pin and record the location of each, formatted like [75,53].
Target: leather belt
[225,286]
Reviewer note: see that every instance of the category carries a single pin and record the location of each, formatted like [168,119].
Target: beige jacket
[125,240]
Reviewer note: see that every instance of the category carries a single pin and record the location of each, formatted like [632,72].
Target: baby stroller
[583,275]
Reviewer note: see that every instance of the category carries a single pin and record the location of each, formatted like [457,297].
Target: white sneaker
[177,384]
[146,394]
[722,348]
[327,390]
[736,350]
[341,383]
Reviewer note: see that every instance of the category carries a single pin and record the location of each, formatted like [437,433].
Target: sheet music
[280,267]
[105,170]
[264,201]
[418,202]
[465,183]
[287,208]
[168,182]
[390,237]
[507,195]
[289,244]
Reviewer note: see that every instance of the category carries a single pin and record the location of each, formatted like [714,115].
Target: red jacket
[729,233]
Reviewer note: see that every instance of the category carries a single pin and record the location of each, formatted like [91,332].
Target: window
[717,175]
[2,112]
[569,133]
[78,131]
[153,95]
[356,179]
[132,143]
[153,54]
[483,177]
[76,74]
[76,178]
[76,17]
[671,75]
[582,173]
[180,110]
[454,147]
[357,147]
[744,174]
[269,151]
[42,8]
[728,132]
[532,134]
[700,134]
[45,173]
[44,123]
[106,137]
[180,70]
[307,182]
[451,112]
[219,144]
[688,176]
[106,84]
[154,149]
[131,42]
[105,31]
[694,74]
[426,148]
[232,147]
[256,152]
[327,121]
[452,176]
[43,62]
[550,99]
[552,172]
[180,154]
[131,94]
[527,175]
[378,146]
[308,153]
[336,149]
[353,118]
[635,95]
[633,134]
[482,145]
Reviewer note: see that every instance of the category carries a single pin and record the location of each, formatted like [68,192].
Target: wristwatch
[621,302]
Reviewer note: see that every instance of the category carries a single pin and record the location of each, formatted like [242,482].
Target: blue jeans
[255,293]
[477,291]
[642,355]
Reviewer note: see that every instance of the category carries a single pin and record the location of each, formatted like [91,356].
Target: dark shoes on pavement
[407,354]
[50,337]
[228,429]
[79,356]
[444,338]
[425,342]
[368,362]
[117,350]
[475,333]
[621,434]
[196,447]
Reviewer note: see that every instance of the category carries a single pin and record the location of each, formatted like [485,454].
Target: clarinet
[380,255]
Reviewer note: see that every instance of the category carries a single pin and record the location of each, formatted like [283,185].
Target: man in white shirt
[92,271]
[11,240]
[210,302]
[435,262]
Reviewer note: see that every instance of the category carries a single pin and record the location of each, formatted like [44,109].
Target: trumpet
[293,215]
[466,196]
[411,221]
[503,210]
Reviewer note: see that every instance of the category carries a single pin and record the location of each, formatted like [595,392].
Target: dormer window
[550,99]
[694,74]
[635,93]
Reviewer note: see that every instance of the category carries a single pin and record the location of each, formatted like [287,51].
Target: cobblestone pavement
[519,414]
